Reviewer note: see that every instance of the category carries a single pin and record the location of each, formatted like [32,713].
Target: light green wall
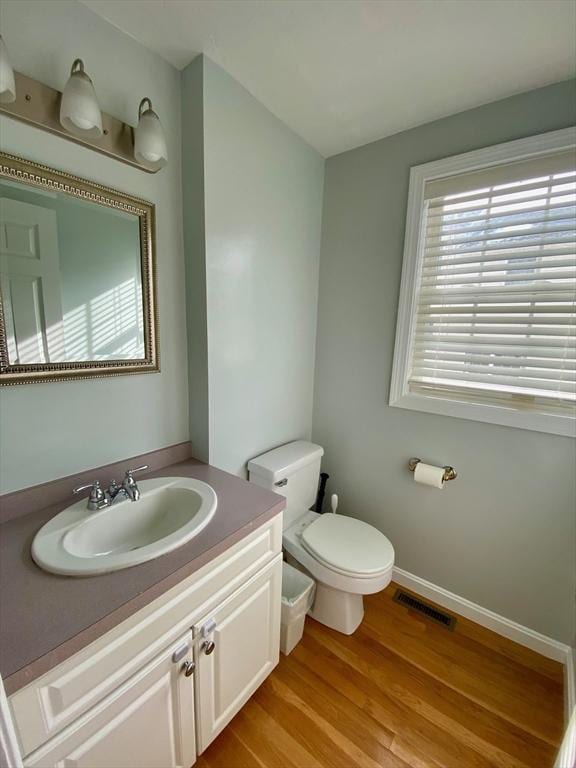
[504,533]
[52,430]
[253,194]
[259,244]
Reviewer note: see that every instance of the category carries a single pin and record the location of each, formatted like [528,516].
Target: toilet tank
[292,470]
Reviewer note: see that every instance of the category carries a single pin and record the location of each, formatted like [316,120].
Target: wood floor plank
[266,738]
[531,700]
[310,727]
[441,703]
[400,692]
[412,755]
[229,752]
[518,654]
[350,735]
[458,649]
[505,745]
[506,656]
[366,732]
[359,686]
[464,717]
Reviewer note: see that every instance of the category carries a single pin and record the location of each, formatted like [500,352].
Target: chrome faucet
[99,499]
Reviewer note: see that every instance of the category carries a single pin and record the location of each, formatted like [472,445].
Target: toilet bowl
[346,557]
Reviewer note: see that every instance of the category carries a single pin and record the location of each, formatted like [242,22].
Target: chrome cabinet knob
[188,668]
[208,647]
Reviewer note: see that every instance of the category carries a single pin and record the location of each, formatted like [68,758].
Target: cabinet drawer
[63,694]
[146,723]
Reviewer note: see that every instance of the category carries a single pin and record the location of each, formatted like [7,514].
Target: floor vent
[415,604]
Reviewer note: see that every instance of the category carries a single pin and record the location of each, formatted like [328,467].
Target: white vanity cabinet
[126,700]
[147,722]
[237,648]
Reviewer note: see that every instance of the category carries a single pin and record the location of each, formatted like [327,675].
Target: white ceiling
[342,73]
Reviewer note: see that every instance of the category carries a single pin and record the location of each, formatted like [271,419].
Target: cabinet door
[237,646]
[146,723]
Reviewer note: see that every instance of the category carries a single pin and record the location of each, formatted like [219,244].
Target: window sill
[488,413]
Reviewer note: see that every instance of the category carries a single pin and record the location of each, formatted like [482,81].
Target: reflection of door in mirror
[30,282]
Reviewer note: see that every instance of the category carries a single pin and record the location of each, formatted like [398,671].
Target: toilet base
[342,611]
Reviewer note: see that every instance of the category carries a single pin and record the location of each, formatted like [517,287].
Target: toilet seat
[348,546]
[339,591]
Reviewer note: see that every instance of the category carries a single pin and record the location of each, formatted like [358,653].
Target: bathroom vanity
[188,638]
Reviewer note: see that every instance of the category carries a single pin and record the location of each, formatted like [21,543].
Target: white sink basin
[170,512]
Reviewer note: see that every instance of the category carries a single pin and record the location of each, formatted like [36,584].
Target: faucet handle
[95,486]
[97,498]
[130,485]
[130,472]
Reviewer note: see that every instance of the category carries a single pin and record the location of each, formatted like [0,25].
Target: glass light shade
[7,84]
[150,147]
[79,109]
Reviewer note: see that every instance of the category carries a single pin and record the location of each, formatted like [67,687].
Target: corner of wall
[192,93]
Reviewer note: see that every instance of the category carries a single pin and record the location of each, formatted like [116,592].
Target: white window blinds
[496,292]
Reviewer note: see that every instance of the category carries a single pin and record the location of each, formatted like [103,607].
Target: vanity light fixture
[150,147]
[7,84]
[79,109]
[75,115]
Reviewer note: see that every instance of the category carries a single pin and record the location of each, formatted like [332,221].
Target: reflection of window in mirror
[71,281]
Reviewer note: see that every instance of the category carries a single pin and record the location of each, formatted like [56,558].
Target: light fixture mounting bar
[39,105]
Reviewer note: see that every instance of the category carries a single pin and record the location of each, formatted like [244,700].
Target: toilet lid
[348,545]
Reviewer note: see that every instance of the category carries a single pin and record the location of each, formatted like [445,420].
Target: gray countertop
[45,618]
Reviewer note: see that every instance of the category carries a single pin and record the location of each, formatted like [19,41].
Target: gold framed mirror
[77,278]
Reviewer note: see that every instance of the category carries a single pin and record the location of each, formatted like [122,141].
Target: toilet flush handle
[281,483]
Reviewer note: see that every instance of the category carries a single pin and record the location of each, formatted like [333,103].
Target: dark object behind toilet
[324,477]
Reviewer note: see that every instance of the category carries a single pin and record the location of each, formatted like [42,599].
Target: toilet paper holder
[449,472]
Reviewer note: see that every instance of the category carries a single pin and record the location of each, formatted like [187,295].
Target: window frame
[444,404]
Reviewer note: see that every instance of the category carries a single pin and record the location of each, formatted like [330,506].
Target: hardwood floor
[402,691]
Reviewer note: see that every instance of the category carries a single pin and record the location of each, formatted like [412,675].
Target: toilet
[346,557]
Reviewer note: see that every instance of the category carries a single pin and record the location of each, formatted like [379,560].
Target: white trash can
[297,596]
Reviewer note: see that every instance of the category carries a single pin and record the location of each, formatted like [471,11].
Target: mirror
[77,278]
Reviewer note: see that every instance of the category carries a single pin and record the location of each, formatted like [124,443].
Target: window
[487,318]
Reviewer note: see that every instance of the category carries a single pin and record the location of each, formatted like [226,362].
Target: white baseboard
[570,681]
[566,757]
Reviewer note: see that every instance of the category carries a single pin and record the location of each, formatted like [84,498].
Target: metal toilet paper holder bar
[449,472]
